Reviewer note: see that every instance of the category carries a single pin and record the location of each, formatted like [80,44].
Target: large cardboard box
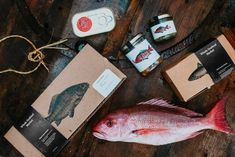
[200,70]
[67,103]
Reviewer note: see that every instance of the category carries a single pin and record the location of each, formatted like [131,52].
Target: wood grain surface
[44,21]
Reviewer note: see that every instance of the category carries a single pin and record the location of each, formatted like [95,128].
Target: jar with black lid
[162,27]
[142,55]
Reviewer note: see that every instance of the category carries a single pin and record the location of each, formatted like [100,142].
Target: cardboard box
[217,58]
[67,103]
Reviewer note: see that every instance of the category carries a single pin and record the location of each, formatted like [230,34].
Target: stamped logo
[84,24]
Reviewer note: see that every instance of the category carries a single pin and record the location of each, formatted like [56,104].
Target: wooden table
[44,21]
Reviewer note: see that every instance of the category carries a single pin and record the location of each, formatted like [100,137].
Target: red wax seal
[84,24]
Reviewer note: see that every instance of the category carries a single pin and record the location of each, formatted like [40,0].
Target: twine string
[35,56]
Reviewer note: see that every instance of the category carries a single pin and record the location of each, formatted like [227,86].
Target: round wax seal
[84,24]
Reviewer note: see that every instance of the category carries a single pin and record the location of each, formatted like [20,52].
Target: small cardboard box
[217,57]
[67,103]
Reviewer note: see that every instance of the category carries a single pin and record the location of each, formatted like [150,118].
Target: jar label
[143,55]
[163,29]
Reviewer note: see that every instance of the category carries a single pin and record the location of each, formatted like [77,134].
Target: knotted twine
[35,56]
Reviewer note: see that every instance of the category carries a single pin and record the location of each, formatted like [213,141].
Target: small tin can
[93,22]
[162,27]
[142,55]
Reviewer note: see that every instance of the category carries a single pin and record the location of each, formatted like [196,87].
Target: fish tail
[217,117]
[150,48]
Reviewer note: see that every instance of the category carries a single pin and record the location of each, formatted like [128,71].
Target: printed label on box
[106,83]
[215,60]
[40,133]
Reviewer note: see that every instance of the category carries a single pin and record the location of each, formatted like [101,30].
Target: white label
[163,29]
[143,55]
[106,83]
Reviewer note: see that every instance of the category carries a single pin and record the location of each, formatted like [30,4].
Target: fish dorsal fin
[164,103]
[52,104]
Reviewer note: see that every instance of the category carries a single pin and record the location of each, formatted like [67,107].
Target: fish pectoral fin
[164,103]
[58,122]
[52,104]
[71,113]
[148,131]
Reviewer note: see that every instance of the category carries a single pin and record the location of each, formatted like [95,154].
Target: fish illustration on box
[198,73]
[64,104]
[144,54]
[162,29]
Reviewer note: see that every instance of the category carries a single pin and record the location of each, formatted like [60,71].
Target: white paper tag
[163,29]
[106,83]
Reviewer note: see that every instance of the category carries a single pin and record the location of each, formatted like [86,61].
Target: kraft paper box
[200,70]
[67,103]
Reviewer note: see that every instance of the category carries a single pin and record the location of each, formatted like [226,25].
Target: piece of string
[35,56]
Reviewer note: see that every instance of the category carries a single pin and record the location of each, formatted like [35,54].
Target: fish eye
[109,123]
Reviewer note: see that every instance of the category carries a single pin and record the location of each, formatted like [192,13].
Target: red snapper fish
[156,122]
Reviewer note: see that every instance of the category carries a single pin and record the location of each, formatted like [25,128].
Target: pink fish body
[156,122]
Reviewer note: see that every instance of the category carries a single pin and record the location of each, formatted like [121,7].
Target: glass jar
[162,27]
[142,55]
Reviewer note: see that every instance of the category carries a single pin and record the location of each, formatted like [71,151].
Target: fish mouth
[192,78]
[85,85]
[98,135]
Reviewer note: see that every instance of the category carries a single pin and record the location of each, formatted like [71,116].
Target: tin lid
[132,42]
[157,18]
[163,16]
[93,22]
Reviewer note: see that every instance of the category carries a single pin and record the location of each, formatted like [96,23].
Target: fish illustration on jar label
[163,29]
[143,55]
